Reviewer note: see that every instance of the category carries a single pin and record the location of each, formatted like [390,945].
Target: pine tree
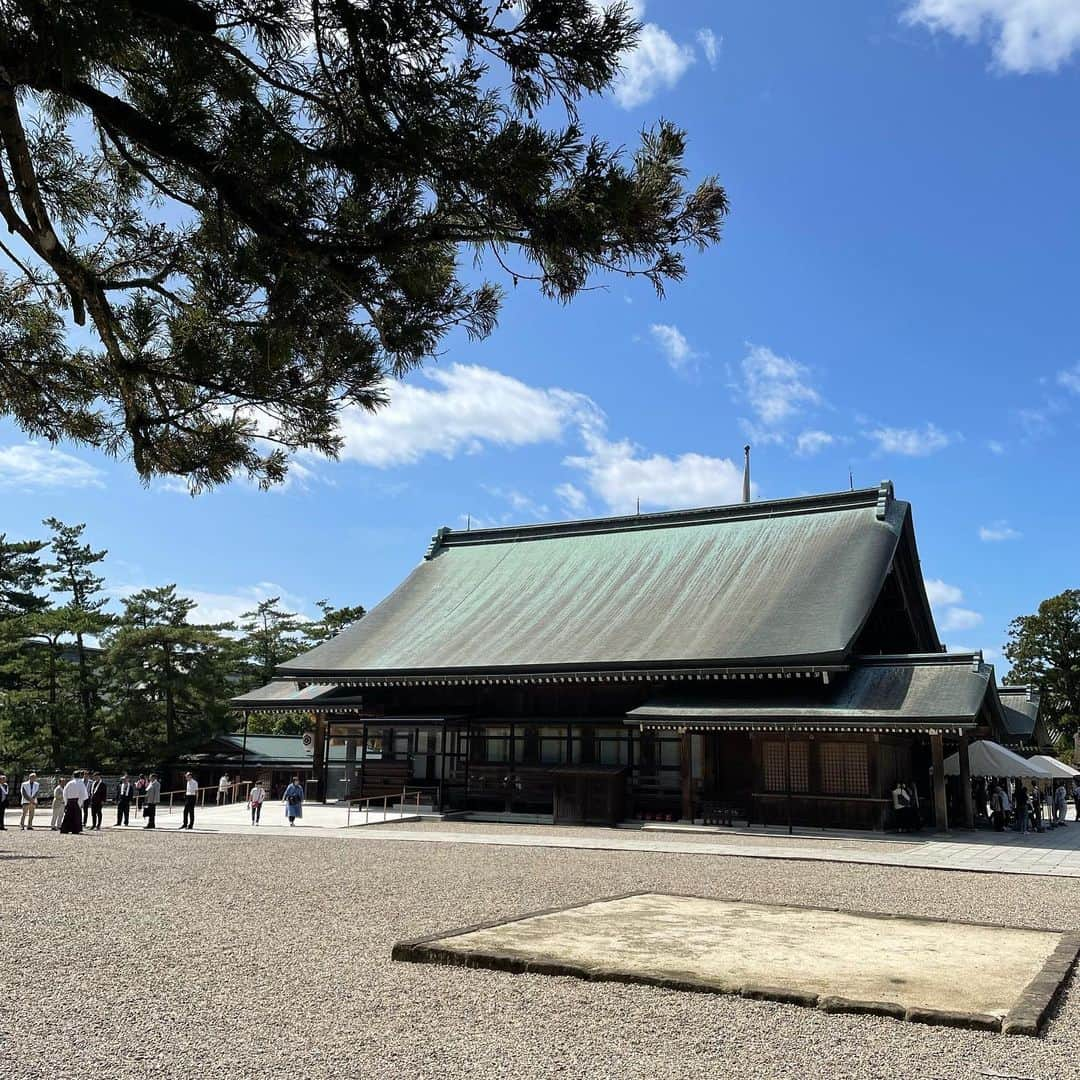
[334,620]
[1044,649]
[260,211]
[167,677]
[83,614]
[269,636]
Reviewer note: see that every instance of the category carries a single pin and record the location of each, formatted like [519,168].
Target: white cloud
[657,63]
[997,531]
[776,386]
[520,503]
[958,618]
[710,45]
[31,465]
[671,341]
[995,447]
[573,498]
[466,408]
[1070,379]
[619,473]
[812,442]
[939,593]
[914,442]
[1025,35]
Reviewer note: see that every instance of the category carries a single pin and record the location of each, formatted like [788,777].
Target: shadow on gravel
[9,855]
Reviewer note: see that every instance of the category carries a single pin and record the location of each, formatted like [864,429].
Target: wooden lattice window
[845,769]
[774,759]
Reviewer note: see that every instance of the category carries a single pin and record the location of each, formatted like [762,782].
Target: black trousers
[151,811]
[95,815]
[189,812]
[3,811]
[123,809]
[86,812]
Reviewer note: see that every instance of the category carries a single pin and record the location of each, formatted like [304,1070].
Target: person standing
[4,791]
[98,791]
[57,804]
[124,791]
[223,786]
[152,795]
[29,791]
[191,791]
[294,801]
[997,808]
[256,797]
[75,798]
[140,792]
[1021,801]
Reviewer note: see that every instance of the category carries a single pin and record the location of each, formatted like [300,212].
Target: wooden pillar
[965,784]
[941,810]
[363,757]
[686,776]
[318,757]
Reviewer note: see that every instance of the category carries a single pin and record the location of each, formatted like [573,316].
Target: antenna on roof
[468,522]
[850,479]
[639,506]
[746,474]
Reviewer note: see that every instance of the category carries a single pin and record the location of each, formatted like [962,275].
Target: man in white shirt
[152,795]
[223,790]
[29,791]
[191,791]
[124,791]
[75,794]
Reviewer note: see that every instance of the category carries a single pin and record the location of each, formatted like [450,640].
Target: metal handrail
[368,800]
[242,789]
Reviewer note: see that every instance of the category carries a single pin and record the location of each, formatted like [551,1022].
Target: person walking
[98,791]
[223,786]
[57,804]
[124,792]
[151,796]
[256,798]
[191,792]
[294,801]
[75,798]
[4,792]
[29,791]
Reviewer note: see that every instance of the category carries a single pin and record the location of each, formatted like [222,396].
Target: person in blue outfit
[294,801]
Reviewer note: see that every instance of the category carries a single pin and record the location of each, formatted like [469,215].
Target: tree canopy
[260,209]
[1044,649]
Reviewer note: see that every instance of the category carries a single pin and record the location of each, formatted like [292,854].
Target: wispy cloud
[29,466]
[912,442]
[958,618]
[939,593]
[997,532]
[1025,35]
[812,442]
[776,387]
[657,63]
[672,342]
[1070,379]
[995,447]
[573,499]
[710,45]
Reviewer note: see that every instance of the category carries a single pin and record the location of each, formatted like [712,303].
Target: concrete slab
[925,970]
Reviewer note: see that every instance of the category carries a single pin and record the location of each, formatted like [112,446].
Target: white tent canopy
[992,759]
[1058,768]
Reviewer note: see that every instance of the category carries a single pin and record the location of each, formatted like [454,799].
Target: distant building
[771,660]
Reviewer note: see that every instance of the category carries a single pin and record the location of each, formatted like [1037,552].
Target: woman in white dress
[57,804]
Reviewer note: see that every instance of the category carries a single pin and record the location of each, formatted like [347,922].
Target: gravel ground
[233,956]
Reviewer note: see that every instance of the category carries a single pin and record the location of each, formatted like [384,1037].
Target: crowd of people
[78,802]
[1012,804]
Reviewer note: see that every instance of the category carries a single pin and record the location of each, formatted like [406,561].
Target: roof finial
[746,474]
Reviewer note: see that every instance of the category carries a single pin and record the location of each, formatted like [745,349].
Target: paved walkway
[1054,853]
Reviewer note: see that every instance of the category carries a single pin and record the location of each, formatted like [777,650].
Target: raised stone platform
[925,970]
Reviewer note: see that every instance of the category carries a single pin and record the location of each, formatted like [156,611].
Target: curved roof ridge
[879,497]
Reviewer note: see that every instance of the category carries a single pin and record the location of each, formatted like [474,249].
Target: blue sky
[894,294]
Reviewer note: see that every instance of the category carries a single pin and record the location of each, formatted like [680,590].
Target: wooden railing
[240,790]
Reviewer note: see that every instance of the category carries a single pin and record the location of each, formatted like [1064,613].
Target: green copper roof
[935,688]
[783,582]
[1020,704]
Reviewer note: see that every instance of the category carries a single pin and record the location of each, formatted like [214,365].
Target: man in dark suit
[125,790]
[97,800]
